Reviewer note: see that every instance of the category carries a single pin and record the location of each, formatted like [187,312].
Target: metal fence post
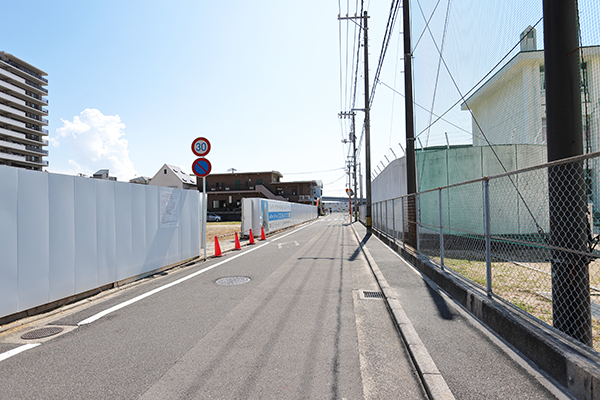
[393,220]
[403,222]
[387,231]
[441,230]
[417,222]
[488,241]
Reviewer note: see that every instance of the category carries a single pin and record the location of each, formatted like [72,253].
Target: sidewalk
[473,361]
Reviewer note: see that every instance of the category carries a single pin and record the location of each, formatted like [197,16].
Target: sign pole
[204,207]
[202,167]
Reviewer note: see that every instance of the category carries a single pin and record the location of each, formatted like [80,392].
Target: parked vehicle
[212,217]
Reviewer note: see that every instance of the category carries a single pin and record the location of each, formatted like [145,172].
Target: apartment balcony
[22,116]
[22,94]
[34,161]
[23,148]
[30,139]
[25,70]
[23,83]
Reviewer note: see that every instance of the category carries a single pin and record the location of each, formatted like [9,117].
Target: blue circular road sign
[201,167]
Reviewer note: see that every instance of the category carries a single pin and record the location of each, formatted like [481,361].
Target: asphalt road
[299,328]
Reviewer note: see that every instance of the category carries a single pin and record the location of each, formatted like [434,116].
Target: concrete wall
[63,235]
[273,215]
[462,206]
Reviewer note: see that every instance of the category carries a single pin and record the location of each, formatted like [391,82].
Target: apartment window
[215,204]
[294,192]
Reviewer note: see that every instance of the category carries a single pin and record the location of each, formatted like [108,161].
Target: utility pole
[367,123]
[569,226]
[367,126]
[411,175]
[355,176]
[353,140]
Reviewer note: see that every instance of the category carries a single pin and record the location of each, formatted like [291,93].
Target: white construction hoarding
[273,215]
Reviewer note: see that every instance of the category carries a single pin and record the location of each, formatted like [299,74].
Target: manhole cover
[42,333]
[233,280]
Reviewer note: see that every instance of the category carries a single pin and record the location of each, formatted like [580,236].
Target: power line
[314,172]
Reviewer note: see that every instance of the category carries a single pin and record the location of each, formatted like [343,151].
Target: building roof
[185,178]
[182,176]
[248,173]
[24,63]
[508,70]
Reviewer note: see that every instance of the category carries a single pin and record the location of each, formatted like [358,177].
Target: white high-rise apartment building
[22,112]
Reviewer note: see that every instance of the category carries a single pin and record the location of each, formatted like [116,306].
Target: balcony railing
[35,85]
[26,70]
[33,148]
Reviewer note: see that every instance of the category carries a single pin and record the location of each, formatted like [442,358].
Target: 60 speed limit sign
[200,146]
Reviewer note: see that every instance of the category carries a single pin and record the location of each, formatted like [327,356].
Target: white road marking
[280,245]
[18,350]
[160,289]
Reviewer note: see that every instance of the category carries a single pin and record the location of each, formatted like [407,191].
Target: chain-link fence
[528,237]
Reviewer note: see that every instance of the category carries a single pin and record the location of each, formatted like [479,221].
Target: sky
[133,83]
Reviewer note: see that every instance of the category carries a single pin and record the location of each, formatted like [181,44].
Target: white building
[22,112]
[510,108]
[173,177]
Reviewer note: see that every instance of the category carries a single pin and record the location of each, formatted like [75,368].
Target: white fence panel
[273,215]
[63,235]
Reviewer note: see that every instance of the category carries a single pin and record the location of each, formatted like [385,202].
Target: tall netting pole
[569,226]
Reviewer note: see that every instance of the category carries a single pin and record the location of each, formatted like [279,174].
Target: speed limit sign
[200,146]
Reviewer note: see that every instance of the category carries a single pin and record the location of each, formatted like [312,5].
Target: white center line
[18,350]
[160,289]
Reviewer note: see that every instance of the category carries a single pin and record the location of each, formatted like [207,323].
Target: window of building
[215,203]
[164,171]
[259,182]
[279,192]
[294,192]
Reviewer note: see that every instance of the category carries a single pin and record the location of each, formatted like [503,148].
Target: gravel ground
[225,234]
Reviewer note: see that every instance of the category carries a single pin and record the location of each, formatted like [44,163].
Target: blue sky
[133,82]
[258,79]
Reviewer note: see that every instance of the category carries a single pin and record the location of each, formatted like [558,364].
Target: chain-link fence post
[441,229]
[417,223]
[488,240]
[394,219]
[403,223]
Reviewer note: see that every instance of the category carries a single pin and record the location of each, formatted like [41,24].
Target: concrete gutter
[570,363]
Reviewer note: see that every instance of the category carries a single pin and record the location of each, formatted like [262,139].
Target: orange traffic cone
[251,238]
[262,234]
[237,242]
[217,248]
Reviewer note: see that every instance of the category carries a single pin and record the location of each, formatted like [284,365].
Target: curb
[572,365]
[432,379]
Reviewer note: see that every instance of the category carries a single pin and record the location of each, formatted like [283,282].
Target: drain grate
[42,333]
[233,280]
[373,295]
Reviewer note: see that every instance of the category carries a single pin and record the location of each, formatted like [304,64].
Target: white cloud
[97,142]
